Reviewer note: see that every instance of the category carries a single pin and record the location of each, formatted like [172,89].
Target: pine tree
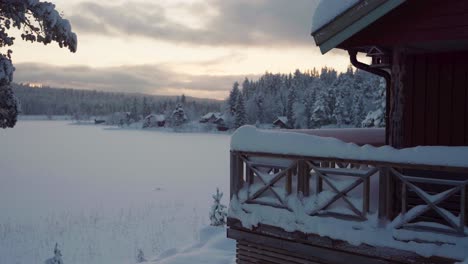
[358,114]
[376,118]
[232,100]
[290,107]
[134,110]
[140,256]
[183,99]
[308,114]
[178,116]
[260,109]
[146,108]
[240,114]
[246,89]
[321,112]
[218,212]
[57,258]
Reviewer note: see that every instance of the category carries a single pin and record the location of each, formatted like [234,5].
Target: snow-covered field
[103,193]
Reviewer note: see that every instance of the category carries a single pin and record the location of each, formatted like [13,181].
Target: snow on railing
[422,188]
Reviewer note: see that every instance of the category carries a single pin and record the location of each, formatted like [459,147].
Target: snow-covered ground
[102,194]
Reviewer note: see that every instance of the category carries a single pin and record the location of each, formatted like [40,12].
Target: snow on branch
[39,22]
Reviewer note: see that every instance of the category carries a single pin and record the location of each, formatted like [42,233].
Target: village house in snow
[216,119]
[281,122]
[337,197]
[210,117]
[154,120]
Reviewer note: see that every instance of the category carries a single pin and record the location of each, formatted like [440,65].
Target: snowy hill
[212,248]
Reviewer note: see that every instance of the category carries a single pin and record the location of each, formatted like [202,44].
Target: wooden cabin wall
[429,99]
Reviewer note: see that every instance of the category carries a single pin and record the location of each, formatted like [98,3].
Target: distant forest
[309,99]
[84,104]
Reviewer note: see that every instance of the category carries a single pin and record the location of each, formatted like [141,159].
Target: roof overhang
[351,21]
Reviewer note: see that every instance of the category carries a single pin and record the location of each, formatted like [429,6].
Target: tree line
[309,99]
[85,104]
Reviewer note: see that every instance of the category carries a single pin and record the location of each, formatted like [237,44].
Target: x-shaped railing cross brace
[267,185]
[343,193]
[431,204]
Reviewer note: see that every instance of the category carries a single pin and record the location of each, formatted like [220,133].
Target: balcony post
[383,211]
[236,173]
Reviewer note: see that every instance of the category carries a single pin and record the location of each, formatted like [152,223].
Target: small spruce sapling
[57,259]
[218,212]
[140,256]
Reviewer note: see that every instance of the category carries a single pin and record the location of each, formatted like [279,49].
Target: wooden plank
[383,195]
[466,107]
[289,182]
[321,254]
[233,173]
[463,209]
[457,119]
[270,255]
[431,127]
[345,172]
[326,250]
[418,101]
[302,173]
[434,181]
[403,198]
[445,110]
[407,101]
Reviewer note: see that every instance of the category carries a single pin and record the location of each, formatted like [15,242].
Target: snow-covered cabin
[281,122]
[154,120]
[211,117]
[322,197]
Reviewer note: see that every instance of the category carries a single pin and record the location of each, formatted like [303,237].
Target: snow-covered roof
[327,10]
[249,138]
[334,21]
[156,117]
[212,114]
[282,119]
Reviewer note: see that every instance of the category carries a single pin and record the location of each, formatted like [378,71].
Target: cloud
[232,23]
[150,79]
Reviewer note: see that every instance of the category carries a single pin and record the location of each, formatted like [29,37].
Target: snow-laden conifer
[218,212]
[240,115]
[140,256]
[57,258]
[178,116]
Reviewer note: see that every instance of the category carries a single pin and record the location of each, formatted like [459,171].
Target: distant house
[281,122]
[154,120]
[211,117]
[221,124]
[99,121]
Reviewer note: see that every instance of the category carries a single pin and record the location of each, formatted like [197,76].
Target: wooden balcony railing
[405,196]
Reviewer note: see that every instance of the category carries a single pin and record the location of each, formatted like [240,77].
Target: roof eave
[351,22]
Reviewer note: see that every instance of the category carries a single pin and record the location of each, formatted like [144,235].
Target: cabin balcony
[299,198]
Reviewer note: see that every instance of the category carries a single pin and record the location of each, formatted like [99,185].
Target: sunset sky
[196,47]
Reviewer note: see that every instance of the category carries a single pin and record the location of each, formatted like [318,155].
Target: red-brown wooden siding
[416,22]
[436,96]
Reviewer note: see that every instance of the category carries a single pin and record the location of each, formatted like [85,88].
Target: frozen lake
[104,193]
